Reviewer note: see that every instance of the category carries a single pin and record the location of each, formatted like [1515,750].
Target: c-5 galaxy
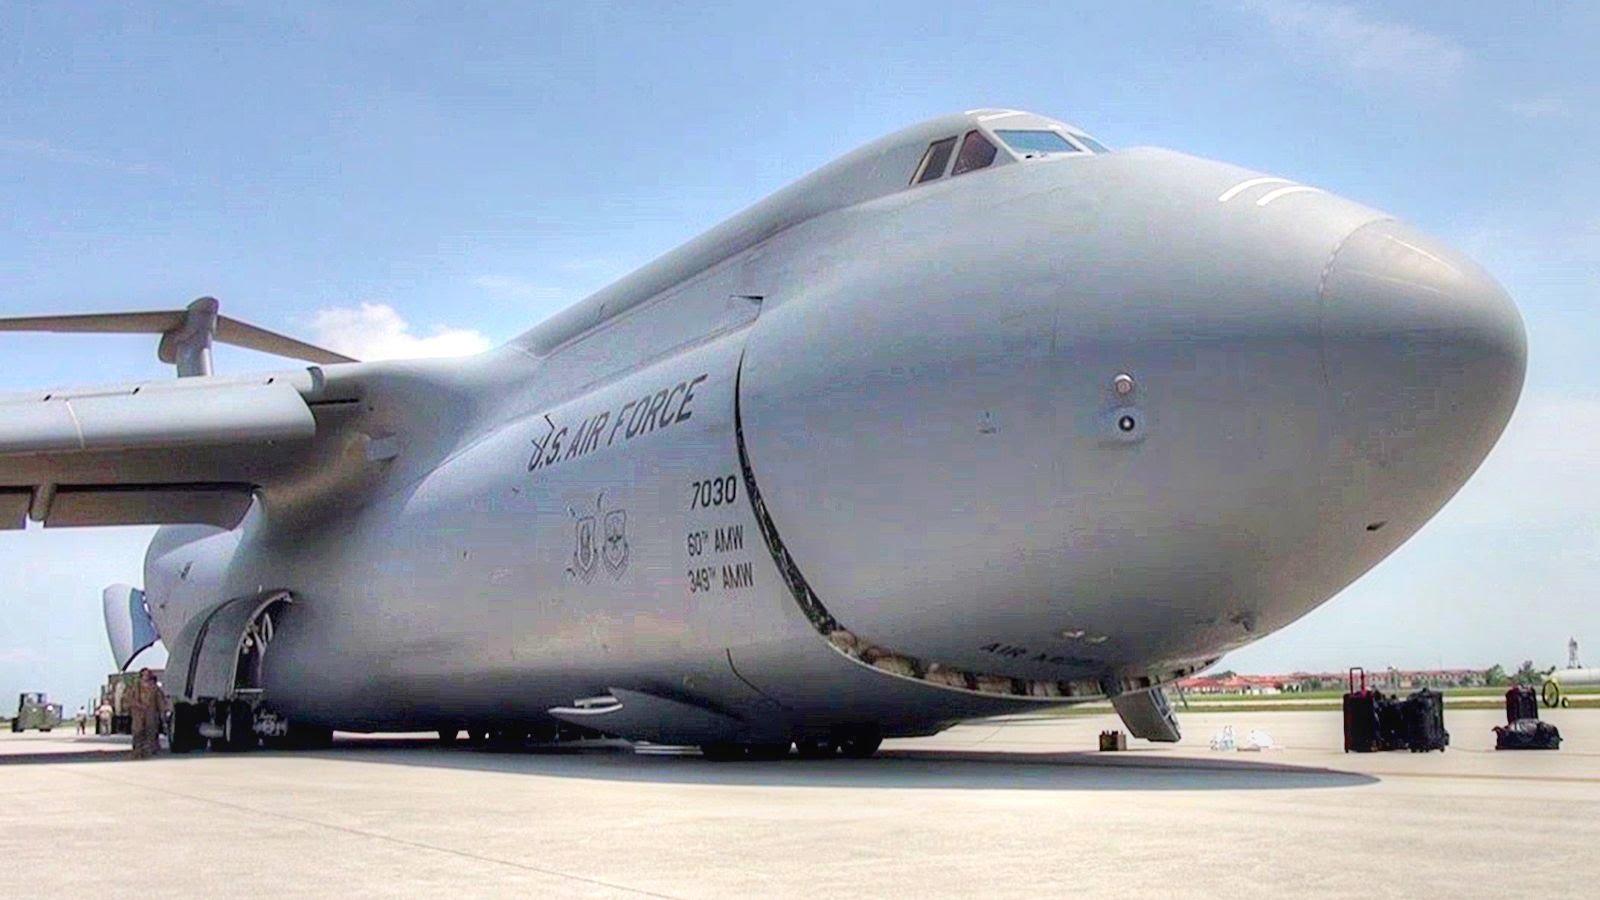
[982,418]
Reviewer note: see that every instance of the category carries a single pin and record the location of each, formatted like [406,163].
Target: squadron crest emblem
[615,550]
[585,552]
[599,537]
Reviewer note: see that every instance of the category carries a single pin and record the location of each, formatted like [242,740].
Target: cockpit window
[1090,142]
[934,161]
[1036,142]
[976,153]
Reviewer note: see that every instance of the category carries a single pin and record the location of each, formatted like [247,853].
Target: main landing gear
[854,744]
[237,725]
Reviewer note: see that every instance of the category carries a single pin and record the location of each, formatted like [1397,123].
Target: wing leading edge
[192,450]
[196,450]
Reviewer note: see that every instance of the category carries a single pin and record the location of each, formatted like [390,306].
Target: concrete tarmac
[1020,807]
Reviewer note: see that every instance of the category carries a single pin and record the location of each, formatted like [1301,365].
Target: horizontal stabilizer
[186,334]
[243,334]
[638,716]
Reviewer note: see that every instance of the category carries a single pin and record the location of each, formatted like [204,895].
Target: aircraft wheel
[723,752]
[310,737]
[447,736]
[237,733]
[816,748]
[508,740]
[185,736]
[859,746]
[767,752]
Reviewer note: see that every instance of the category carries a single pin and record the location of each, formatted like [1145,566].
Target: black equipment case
[1361,729]
[1527,734]
[1521,703]
[1423,713]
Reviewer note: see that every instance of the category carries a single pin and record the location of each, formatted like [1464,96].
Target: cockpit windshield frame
[1032,143]
[935,160]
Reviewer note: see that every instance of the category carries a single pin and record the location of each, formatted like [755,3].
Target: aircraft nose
[1424,356]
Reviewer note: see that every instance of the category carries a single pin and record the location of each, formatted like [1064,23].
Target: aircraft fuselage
[1018,437]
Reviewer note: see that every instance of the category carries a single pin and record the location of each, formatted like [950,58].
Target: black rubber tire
[448,736]
[237,735]
[310,737]
[859,746]
[767,752]
[1551,694]
[724,752]
[509,740]
[302,737]
[185,736]
[816,748]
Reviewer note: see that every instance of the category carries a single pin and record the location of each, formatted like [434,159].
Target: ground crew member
[102,715]
[146,702]
[83,719]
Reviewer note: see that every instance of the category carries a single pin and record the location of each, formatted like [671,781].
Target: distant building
[1300,682]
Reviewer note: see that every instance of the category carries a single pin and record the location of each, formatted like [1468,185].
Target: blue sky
[399,179]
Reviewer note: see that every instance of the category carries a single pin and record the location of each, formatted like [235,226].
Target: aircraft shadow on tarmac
[86,749]
[897,768]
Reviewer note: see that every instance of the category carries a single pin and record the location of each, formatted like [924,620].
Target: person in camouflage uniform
[147,703]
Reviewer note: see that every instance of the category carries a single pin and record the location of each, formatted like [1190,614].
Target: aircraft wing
[195,450]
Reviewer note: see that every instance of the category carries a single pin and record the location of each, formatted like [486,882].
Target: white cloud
[377,331]
[1368,50]
[1546,107]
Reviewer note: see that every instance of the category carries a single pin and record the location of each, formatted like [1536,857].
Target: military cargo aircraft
[984,417]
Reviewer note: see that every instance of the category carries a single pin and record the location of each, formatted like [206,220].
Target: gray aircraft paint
[872,418]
